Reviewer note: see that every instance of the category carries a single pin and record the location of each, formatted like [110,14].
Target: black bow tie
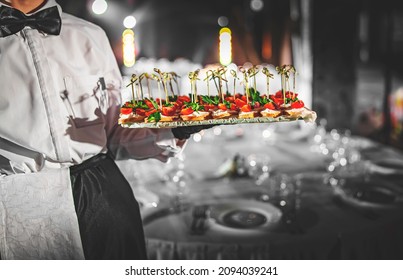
[13,21]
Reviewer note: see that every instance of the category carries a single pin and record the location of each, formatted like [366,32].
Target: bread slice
[169,118]
[295,113]
[246,115]
[196,116]
[220,114]
[130,118]
[270,113]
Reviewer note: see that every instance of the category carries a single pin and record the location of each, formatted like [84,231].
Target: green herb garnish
[156,116]
[195,106]
[212,100]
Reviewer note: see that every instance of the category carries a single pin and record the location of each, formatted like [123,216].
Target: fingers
[186,131]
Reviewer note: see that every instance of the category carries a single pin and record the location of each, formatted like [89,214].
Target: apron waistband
[91,162]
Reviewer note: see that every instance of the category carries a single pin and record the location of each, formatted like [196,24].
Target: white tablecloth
[331,230]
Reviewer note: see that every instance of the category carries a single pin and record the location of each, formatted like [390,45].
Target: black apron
[108,214]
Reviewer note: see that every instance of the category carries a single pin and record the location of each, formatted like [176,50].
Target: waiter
[61,194]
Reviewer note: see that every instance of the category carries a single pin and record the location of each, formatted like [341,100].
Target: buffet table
[272,192]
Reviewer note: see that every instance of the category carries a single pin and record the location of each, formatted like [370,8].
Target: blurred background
[331,189]
[349,53]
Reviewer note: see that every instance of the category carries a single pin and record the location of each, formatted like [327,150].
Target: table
[332,228]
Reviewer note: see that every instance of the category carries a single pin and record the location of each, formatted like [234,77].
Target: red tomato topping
[230,98]
[297,104]
[140,112]
[149,103]
[159,100]
[149,112]
[169,111]
[184,98]
[208,107]
[222,106]
[178,104]
[288,94]
[126,111]
[246,108]
[186,111]
[256,105]
[233,106]
[270,106]
[277,100]
[239,102]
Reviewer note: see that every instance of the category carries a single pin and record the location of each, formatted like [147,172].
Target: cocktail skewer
[175,77]
[269,76]
[141,77]
[246,82]
[133,79]
[252,72]
[223,73]
[148,77]
[207,79]
[234,74]
[157,78]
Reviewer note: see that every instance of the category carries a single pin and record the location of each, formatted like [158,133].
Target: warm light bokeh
[129,55]
[225,46]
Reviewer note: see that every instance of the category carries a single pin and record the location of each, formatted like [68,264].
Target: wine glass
[259,167]
[177,179]
[319,138]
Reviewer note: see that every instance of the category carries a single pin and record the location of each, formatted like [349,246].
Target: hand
[185,132]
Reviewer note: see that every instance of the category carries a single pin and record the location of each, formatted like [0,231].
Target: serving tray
[307,116]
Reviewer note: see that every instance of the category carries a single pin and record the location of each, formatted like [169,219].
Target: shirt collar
[48,4]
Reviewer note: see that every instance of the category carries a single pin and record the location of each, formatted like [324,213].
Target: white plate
[164,223]
[377,194]
[242,216]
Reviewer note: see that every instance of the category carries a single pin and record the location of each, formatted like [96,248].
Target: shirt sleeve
[126,143]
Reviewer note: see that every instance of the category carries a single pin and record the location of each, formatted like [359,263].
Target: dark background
[356,47]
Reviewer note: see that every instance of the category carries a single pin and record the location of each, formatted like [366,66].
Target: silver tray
[307,116]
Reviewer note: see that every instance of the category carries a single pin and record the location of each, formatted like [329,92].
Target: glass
[177,179]
[259,168]
[283,191]
[318,140]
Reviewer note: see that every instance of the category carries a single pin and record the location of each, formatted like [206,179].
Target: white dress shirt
[59,105]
